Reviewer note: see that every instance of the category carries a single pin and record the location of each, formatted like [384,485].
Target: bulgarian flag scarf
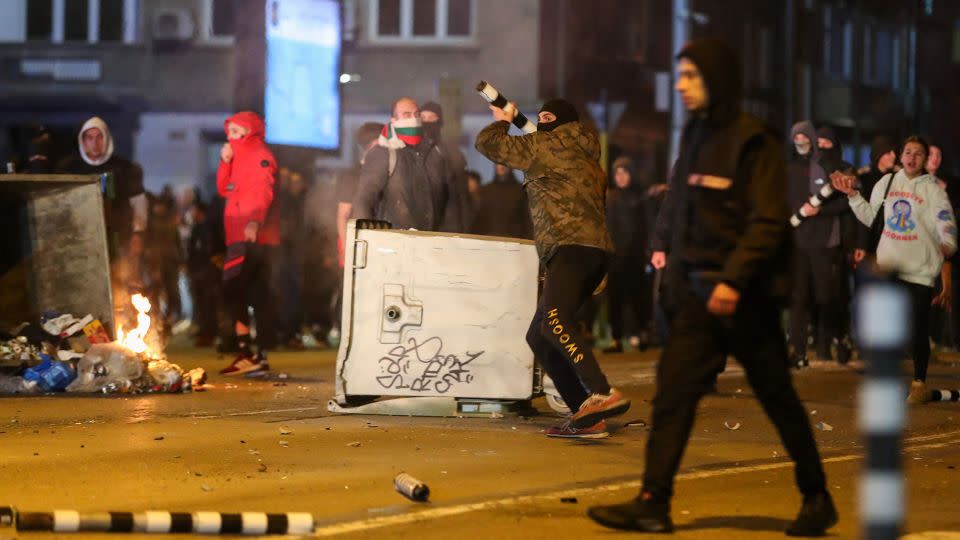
[401,133]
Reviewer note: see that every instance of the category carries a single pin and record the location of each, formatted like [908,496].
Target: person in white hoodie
[919,231]
[125,202]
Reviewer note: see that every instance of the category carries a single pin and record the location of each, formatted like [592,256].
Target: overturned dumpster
[53,253]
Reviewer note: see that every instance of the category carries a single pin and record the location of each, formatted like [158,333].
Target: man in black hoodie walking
[728,214]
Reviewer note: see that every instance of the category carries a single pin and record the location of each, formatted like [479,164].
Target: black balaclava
[563,110]
[720,67]
[431,130]
[830,158]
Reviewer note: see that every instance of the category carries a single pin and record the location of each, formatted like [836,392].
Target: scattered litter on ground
[285,444]
[354,444]
[158,438]
[732,427]
[813,413]
[285,430]
[283,376]
[262,467]
[496,415]
[636,423]
[206,487]
[823,426]
[569,500]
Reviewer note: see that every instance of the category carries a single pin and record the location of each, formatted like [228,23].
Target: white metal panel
[434,314]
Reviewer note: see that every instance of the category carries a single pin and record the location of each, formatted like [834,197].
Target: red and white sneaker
[599,407]
[244,363]
[567,431]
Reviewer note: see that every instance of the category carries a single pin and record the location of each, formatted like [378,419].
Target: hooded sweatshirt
[247,183]
[806,176]
[125,202]
[917,220]
[725,214]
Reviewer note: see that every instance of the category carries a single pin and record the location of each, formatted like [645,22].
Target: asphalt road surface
[271,445]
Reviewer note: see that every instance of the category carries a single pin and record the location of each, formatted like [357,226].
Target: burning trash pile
[76,355]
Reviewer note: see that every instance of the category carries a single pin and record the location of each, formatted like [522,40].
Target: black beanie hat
[435,108]
[563,110]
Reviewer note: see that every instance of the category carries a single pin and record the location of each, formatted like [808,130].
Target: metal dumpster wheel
[557,404]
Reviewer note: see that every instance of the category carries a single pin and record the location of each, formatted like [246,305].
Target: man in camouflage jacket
[566,190]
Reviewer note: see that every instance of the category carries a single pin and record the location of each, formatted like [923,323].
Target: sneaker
[567,431]
[918,393]
[598,407]
[799,361]
[615,347]
[640,514]
[243,363]
[816,516]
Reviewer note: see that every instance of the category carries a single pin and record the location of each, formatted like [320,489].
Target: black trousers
[205,289]
[251,286]
[816,276]
[920,298]
[628,287]
[558,344]
[689,366]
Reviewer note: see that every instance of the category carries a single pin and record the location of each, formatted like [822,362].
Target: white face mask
[803,148]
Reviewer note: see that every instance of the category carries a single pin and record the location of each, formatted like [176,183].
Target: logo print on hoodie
[900,220]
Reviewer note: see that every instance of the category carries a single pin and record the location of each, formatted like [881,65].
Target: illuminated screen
[302,98]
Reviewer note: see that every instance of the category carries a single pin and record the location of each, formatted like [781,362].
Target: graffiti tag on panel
[424,367]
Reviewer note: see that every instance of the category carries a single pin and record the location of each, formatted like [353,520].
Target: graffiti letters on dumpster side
[424,367]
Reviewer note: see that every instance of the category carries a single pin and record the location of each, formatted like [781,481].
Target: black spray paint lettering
[553,320]
[423,367]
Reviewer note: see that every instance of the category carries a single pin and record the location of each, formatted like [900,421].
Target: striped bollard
[159,522]
[883,315]
[945,395]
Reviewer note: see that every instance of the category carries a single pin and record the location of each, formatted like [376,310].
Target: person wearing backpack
[402,179]
[918,231]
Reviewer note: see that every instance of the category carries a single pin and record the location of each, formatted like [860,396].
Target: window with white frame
[92,21]
[422,21]
[838,43]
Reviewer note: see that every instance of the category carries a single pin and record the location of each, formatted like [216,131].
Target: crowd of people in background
[406,173]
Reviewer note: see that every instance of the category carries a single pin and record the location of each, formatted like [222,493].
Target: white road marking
[447,511]
[253,413]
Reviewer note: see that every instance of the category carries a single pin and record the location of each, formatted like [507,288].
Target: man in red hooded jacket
[245,179]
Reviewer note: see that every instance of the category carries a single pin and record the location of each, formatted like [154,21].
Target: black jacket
[726,208]
[502,209]
[127,183]
[414,196]
[627,221]
[815,231]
